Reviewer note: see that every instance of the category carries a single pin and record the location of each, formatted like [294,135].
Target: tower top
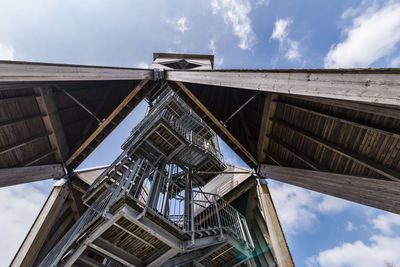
[182,61]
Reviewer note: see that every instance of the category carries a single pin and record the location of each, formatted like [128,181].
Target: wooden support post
[37,235]
[268,212]
[377,193]
[52,122]
[14,176]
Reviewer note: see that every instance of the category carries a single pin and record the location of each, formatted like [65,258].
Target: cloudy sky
[321,230]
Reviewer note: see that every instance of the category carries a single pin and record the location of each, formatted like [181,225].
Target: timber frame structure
[333,131]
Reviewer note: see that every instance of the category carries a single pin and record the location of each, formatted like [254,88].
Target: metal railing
[211,212]
[154,190]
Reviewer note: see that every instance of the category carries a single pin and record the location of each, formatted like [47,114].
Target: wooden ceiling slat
[351,105]
[39,157]
[23,142]
[344,120]
[391,174]
[303,158]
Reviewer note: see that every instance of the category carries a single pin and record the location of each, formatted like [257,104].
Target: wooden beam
[14,71]
[14,176]
[20,120]
[38,157]
[107,121]
[377,193]
[344,120]
[373,109]
[303,158]
[266,125]
[216,122]
[22,143]
[56,236]
[278,240]
[370,86]
[40,229]
[370,164]
[52,122]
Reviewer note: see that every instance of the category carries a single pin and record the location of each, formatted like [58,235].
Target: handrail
[155,192]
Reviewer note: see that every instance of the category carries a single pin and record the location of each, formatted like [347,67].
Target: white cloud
[395,63]
[373,34]
[262,2]
[386,222]
[218,61]
[350,227]
[6,52]
[19,206]
[331,204]
[142,65]
[295,206]
[181,24]
[298,208]
[236,14]
[281,33]
[380,250]
[293,52]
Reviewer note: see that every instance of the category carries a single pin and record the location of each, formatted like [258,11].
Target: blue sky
[321,230]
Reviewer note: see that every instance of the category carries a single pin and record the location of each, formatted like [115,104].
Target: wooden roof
[344,122]
[41,125]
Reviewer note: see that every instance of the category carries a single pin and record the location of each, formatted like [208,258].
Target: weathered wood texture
[277,238]
[14,176]
[52,122]
[130,102]
[379,86]
[14,71]
[34,119]
[37,235]
[376,193]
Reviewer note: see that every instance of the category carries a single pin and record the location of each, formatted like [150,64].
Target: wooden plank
[19,120]
[217,123]
[381,194]
[52,122]
[107,121]
[379,86]
[14,176]
[14,71]
[344,120]
[22,143]
[377,110]
[38,233]
[38,157]
[278,240]
[391,174]
[266,125]
[303,158]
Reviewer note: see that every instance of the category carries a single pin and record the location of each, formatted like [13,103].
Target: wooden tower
[332,131]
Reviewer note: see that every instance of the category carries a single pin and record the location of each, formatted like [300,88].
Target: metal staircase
[148,209]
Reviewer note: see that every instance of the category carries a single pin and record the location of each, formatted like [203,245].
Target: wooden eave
[41,125]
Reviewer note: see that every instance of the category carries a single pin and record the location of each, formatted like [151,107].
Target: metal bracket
[159,75]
